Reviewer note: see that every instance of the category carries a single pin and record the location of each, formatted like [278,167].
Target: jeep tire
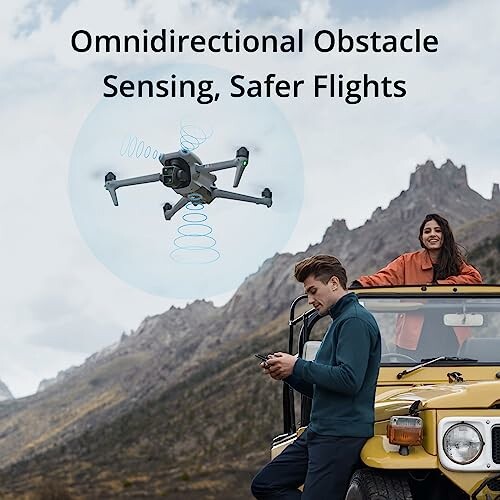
[369,484]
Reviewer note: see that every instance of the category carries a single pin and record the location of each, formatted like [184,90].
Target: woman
[439,262]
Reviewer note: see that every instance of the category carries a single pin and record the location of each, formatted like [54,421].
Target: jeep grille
[495,443]
[494,484]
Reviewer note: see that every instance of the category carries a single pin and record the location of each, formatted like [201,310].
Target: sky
[59,302]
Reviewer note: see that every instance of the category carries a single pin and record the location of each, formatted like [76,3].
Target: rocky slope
[177,405]
[5,394]
[483,239]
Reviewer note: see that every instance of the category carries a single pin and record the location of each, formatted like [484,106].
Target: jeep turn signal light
[405,431]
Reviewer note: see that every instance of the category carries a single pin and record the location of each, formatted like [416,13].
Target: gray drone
[184,172]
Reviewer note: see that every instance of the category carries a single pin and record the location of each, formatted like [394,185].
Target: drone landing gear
[267,194]
[170,211]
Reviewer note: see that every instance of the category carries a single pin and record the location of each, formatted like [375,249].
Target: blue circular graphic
[126,135]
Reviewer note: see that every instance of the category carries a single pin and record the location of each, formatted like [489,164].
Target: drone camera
[173,177]
[176,174]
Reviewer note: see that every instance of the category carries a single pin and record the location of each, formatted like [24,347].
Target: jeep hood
[473,395]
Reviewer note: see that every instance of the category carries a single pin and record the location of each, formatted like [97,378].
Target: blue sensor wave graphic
[195,243]
[134,147]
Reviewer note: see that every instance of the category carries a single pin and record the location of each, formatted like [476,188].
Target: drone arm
[220,165]
[229,195]
[240,162]
[111,184]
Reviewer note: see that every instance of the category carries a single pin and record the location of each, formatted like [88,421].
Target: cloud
[66,322]
[76,333]
[251,10]
[344,10]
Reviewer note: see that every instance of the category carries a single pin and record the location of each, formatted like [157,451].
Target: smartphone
[262,357]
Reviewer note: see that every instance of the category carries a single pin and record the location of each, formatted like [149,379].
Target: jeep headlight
[462,443]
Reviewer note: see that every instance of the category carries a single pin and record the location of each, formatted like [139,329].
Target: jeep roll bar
[308,320]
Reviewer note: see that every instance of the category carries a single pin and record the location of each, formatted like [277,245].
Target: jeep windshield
[462,330]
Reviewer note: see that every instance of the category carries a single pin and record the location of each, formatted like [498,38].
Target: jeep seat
[482,349]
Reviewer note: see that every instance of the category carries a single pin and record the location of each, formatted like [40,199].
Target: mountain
[178,405]
[483,239]
[5,394]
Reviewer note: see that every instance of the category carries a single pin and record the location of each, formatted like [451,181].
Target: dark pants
[323,464]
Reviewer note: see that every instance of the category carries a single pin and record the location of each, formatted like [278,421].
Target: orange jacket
[416,269]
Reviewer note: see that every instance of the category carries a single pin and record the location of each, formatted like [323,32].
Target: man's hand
[279,365]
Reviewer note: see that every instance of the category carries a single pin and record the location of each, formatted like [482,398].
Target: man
[341,381]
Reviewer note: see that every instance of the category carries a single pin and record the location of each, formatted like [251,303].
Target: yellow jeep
[437,406]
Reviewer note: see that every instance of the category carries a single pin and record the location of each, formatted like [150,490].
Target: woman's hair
[450,258]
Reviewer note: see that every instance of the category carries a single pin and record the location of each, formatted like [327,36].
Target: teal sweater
[342,378]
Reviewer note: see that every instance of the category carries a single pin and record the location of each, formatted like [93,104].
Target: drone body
[184,172]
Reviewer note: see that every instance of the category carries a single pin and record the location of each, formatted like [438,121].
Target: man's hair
[322,267]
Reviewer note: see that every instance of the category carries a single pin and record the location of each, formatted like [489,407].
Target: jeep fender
[380,454]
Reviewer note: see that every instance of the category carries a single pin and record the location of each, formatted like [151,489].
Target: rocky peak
[377,213]
[495,194]
[337,229]
[441,190]
[428,174]
[423,174]
[457,176]
[5,394]
[60,377]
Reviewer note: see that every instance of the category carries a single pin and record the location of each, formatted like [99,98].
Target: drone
[184,172]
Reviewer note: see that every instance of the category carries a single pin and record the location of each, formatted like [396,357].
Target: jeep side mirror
[310,349]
